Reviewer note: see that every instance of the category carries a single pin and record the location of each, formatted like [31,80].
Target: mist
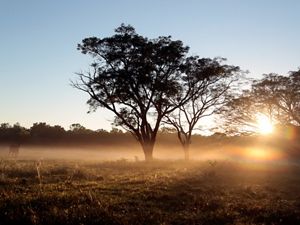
[133,152]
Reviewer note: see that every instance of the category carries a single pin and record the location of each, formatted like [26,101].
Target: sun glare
[264,124]
[262,153]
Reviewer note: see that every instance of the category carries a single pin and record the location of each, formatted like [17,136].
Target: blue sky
[38,55]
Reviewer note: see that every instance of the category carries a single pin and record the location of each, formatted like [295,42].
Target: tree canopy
[281,94]
[215,83]
[140,80]
[276,96]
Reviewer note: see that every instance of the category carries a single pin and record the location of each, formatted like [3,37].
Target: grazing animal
[14,150]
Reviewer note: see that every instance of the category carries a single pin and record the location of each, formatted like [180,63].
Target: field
[162,192]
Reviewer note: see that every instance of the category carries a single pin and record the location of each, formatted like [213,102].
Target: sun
[264,124]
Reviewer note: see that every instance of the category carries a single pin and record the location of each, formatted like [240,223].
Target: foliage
[45,134]
[238,116]
[43,130]
[138,79]
[142,80]
[275,96]
[282,95]
[14,133]
[214,83]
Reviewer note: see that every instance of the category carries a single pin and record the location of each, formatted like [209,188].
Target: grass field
[162,192]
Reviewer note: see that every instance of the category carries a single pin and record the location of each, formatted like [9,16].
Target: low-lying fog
[103,153]
[106,153]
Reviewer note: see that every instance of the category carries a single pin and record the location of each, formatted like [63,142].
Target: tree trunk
[186,149]
[148,151]
[148,156]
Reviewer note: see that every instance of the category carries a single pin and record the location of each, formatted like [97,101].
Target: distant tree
[115,130]
[4,132]
[76,127]
[80,134]
[282,93]
[21,134]
[167,130]
[139,80]
[4,126]
[39,129]
[238,116]
[13,134]
[213,91]
[276,96]
[102,131]
[44,132]
[58,131]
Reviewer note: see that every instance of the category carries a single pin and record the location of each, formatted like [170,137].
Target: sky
[38,55]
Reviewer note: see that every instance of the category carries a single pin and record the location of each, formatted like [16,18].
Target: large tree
[139,80]
[215,80]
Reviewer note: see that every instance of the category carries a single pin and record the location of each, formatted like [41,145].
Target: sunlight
[257,153]
[263,153]
[264,124]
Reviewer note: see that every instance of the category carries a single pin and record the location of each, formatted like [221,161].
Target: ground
[162,192]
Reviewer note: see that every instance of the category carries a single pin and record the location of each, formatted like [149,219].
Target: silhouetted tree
[282,93]
[77,128]
[276,96]
[42,132]
[102,131]
[239,115]
[4,126]
[213,91]
[5,133]
[139,80]
[13,134]
[116,131]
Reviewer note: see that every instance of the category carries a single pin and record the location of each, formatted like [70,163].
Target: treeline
[44,134]
[77,135]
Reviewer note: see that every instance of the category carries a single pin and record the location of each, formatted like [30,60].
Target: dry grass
[163,192]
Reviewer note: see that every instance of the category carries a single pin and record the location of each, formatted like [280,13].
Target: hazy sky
[38,55]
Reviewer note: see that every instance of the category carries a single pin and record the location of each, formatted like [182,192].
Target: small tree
[214,81]
[139,80]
